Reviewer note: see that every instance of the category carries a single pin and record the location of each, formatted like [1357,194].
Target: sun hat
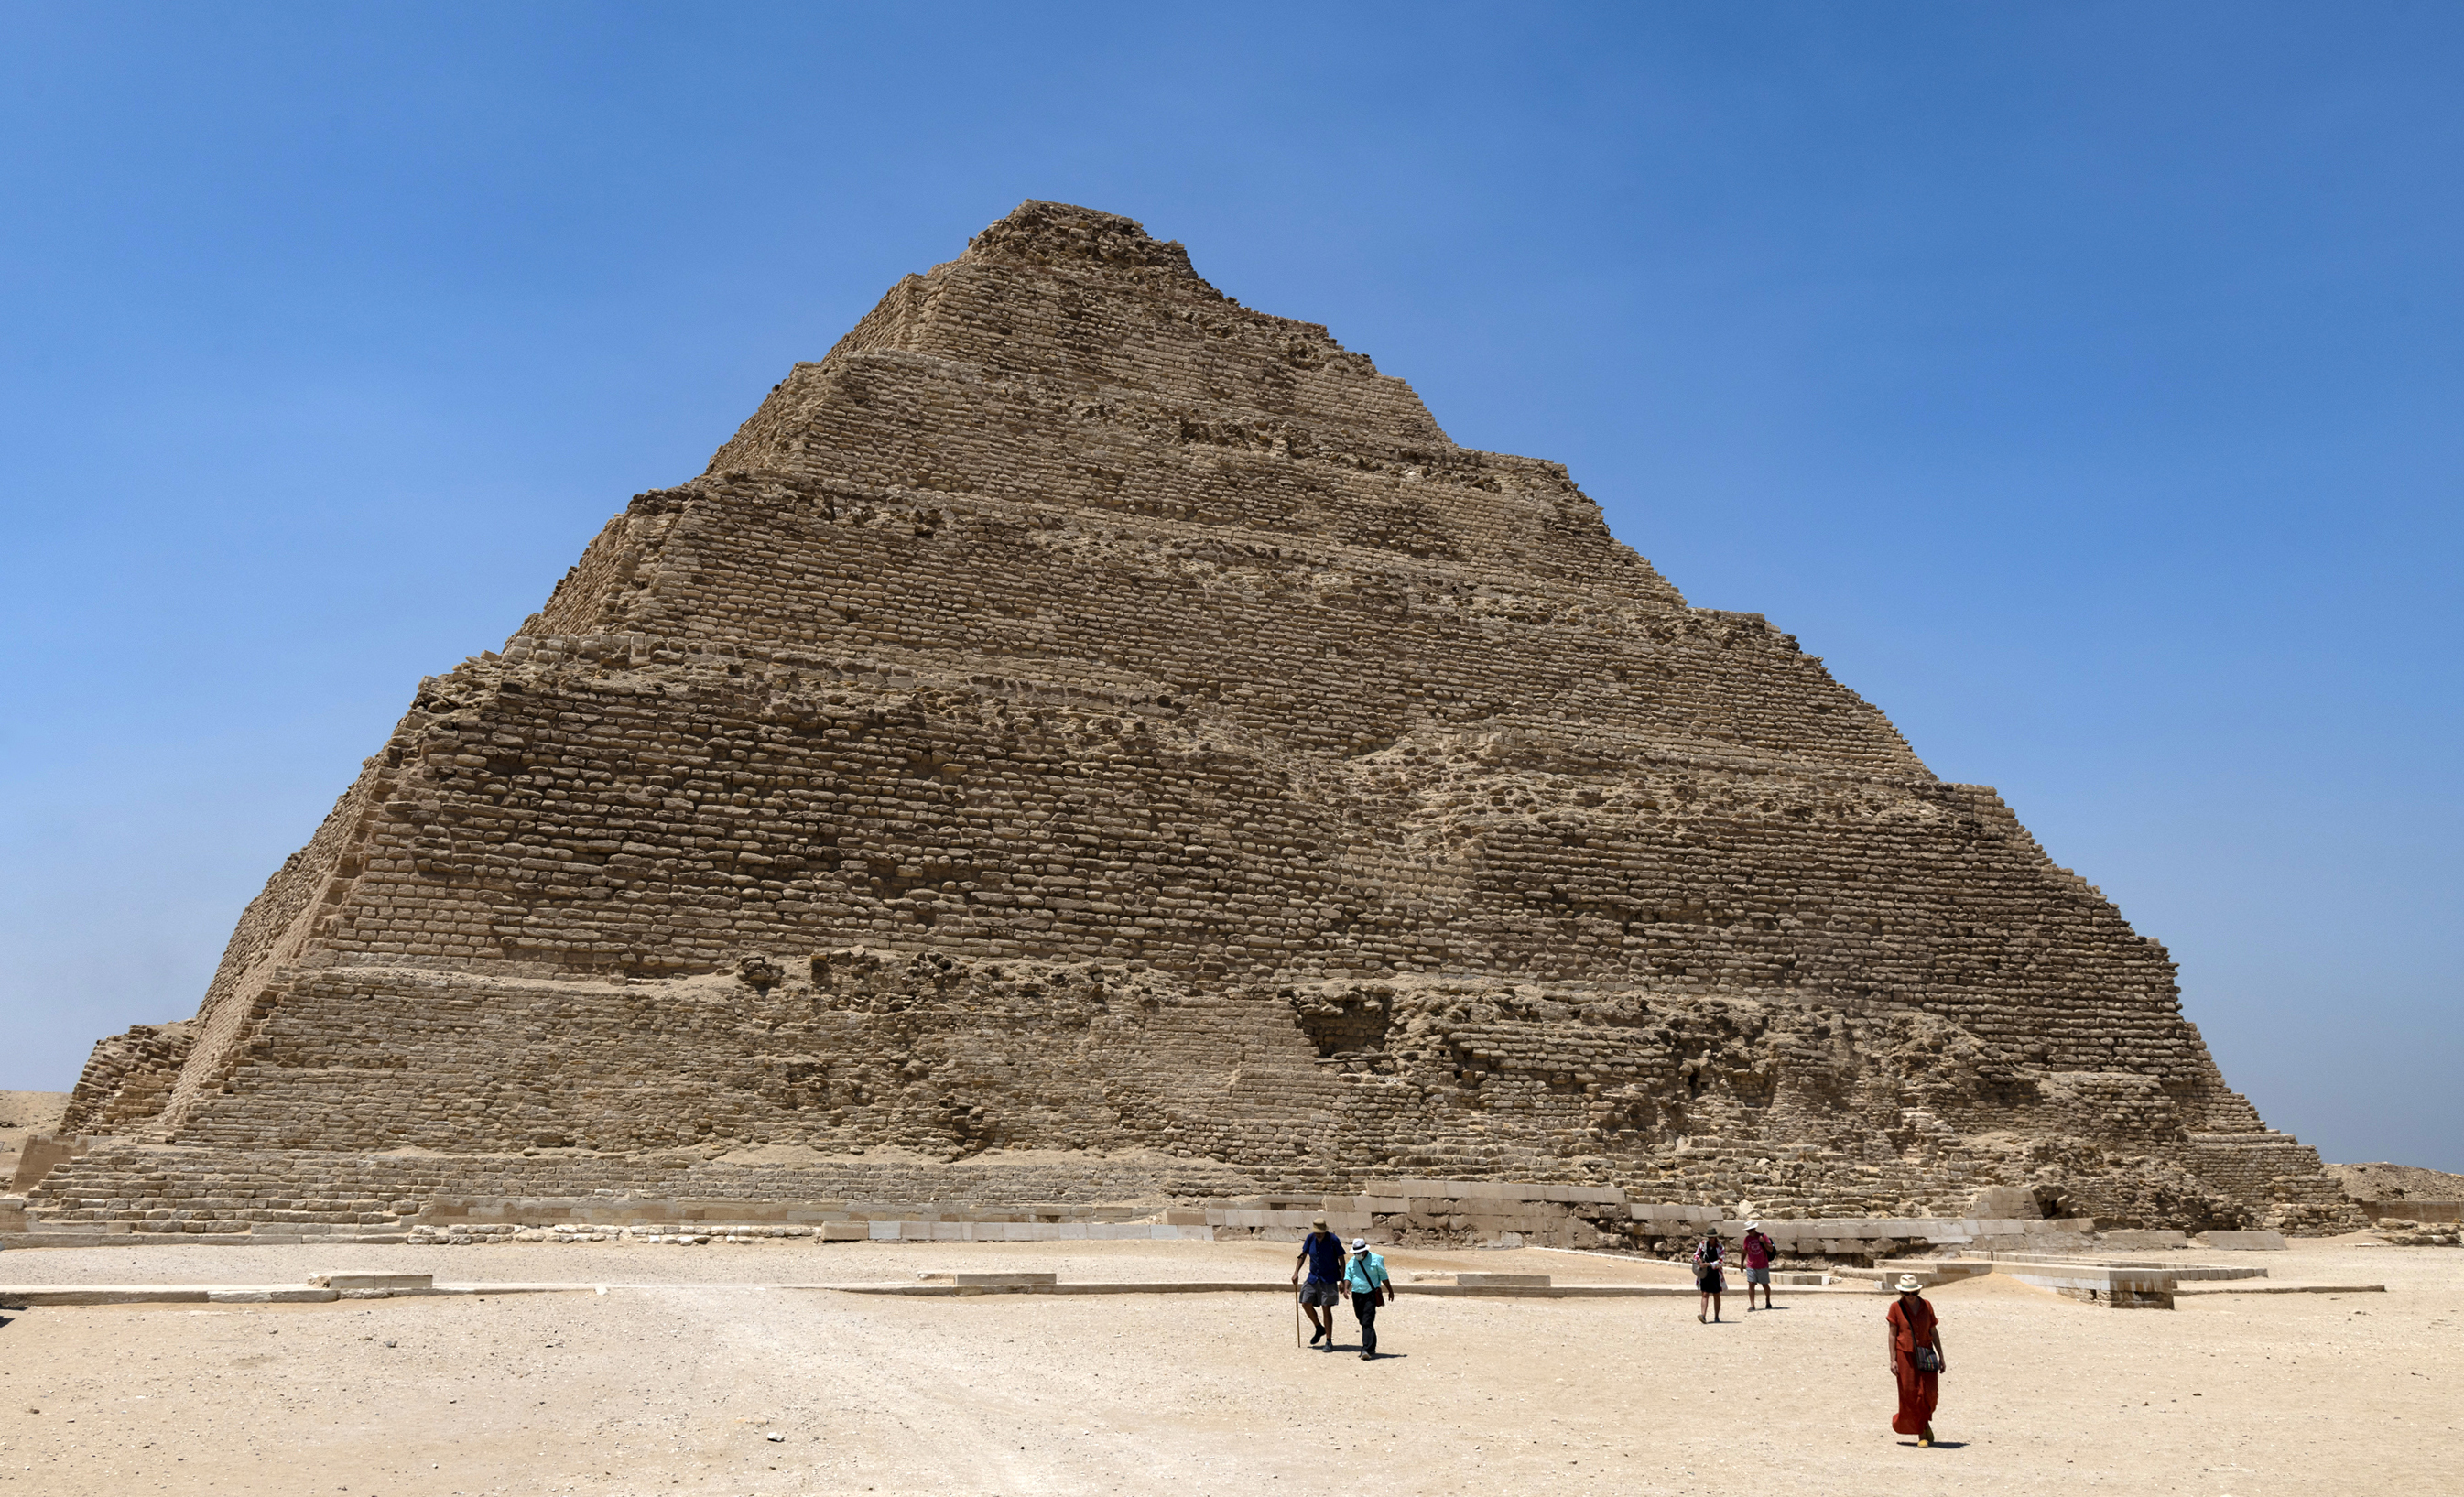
[1317,1221]
[1753,1226]
[1908,1284]
[1359,1242]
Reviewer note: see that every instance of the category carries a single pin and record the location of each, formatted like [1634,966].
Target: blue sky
[2082,381]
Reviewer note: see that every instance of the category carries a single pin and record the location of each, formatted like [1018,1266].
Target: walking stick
[1297,1344]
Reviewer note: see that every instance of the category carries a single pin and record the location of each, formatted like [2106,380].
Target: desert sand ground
[672,1381]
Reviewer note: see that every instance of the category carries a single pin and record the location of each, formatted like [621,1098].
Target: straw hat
[1908,1284]
[1317,1221]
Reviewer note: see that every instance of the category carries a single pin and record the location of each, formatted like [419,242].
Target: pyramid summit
[1084,741]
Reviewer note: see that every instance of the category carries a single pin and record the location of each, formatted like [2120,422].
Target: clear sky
[2082,381]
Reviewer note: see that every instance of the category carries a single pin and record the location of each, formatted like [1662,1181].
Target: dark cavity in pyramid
[1083,739]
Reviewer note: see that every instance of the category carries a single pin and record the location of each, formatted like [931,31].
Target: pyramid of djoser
[1085,741]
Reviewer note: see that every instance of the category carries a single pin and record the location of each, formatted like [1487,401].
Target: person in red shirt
[1758,1250]
[1917,1362]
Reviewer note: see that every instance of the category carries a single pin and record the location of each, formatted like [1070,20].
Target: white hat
[1908,1284]
[1753,1226]
[1359,1242]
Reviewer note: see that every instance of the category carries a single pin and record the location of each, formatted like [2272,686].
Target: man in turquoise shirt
[1364,1274]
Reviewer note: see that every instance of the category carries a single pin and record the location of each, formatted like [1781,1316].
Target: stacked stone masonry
[1081,713]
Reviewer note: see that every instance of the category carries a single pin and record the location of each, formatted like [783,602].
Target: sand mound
[23,1112]
[2397,1182]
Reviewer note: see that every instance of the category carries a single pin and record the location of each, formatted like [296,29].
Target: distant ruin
[1084,741]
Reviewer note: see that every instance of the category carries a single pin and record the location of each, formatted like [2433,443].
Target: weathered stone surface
[1080,715]
[2245,1241]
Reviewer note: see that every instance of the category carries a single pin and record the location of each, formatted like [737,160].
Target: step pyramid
[1084,726]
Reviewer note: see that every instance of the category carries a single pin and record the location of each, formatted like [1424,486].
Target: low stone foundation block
[2245,1241]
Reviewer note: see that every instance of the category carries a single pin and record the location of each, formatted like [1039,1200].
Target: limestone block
[391,1283]
[24,1295]
[2143,1238]
[1501,1281]
[988,1280]
[2005,1202]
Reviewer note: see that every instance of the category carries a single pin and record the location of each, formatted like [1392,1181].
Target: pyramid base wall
[176,1196]
[864,1075]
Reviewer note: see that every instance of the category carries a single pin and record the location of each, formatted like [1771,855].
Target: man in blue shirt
[1322,1252]
[1364,1274]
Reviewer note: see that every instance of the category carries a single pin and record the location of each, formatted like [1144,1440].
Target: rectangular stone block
[104,1294]
[2245,1241]
[1501,1281]
[392,1282]
[2142,1239]
[989,1280]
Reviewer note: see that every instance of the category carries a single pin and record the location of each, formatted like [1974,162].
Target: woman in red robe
[1913,1328]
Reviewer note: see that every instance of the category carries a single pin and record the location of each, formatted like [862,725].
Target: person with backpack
[1322,1253]
[1708,1277]
[1917,1362]
[1364,1274]
[1758,1250]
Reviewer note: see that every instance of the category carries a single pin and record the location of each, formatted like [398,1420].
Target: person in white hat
[1917,1362]
[1757,1250]
[1364,1274]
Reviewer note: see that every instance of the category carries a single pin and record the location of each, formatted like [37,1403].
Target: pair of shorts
[1761,1276]
[1321,1292]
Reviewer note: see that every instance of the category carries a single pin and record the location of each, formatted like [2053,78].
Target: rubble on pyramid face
[1053,234]
[1173,712]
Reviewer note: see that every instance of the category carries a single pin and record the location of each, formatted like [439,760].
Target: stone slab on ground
[25,1294]
[2142,1238]
[354,1279]
[989,1280]
[1926,1271]
[2188,1290]
[313,1293]
[1498,1281]
[2243,1242]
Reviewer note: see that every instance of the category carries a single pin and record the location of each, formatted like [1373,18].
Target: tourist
[1364,1274]
[1707,1276]
[1322,1253]
[1757,1250]
[1917,1361]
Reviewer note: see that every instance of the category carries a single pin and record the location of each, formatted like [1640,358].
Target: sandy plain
[674,1380]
